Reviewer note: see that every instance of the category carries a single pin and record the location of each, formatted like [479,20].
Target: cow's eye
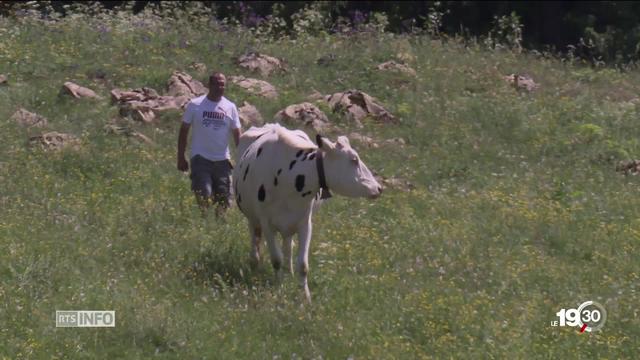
[355,160]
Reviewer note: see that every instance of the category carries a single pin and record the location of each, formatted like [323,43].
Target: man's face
[216,85]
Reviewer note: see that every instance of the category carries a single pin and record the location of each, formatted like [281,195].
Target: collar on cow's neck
[321,178]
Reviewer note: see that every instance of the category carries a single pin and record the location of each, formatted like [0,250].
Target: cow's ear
[343,142]
[324,143]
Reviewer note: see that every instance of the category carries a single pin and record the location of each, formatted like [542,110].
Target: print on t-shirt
[213,119]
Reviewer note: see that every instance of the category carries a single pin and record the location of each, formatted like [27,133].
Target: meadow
[516,212]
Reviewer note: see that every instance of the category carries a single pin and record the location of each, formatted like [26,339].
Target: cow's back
[266,171]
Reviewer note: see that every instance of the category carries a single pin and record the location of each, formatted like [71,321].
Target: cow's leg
[304,238]
[287,243]
[256,235]
[274,251]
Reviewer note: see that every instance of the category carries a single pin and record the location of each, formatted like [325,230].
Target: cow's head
[345,173]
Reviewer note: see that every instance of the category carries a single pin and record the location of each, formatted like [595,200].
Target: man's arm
[183,165]
[236,135]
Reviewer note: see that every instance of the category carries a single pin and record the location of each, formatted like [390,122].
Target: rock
[53,141]
[358,105]
[29,119]
[521,82]
[125,130]
[255,86]
[629,167]
[394,66]
[305,113]
[140,94]
[395,142]
[326,60]
[199,67]
[315,96]
[265,64]
[3,79]
[182,84]
[143,104]
[78,91]
[250,116]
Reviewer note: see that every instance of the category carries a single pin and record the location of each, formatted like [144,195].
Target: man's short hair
[214,75]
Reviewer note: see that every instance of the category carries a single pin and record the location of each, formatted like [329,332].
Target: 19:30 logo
[589,316]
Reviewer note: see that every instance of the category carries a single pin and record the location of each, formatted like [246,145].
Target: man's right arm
[183,165]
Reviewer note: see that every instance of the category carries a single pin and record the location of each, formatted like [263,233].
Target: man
[213,118]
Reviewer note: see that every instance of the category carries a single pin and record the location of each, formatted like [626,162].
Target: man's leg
[222,194]
[201,183]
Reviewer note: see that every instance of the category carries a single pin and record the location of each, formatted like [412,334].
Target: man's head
[217,82]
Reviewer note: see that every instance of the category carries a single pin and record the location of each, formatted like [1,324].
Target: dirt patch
[199,67]
[395,183]
[28,119]
[357,105]
[53,141]
[78,91]
[305,113]
[3,79]
[127,131]
[250,116]
[264,64]
[396,67]
[370,142]
[364,140]
[255,86]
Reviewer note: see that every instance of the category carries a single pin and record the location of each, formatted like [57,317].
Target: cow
[279,175]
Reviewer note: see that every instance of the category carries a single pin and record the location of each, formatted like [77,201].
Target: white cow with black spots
[279,175]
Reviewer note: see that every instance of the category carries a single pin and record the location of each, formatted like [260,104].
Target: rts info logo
[589,316]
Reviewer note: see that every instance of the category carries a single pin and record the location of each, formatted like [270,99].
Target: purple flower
[103,29]
[358,17]
[253,20]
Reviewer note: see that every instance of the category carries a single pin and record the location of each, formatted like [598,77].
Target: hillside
[514,211]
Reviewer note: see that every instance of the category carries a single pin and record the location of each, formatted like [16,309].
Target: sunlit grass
[517,210]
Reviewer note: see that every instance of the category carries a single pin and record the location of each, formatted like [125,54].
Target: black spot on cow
[299,182]
[275,181]
[245,153]
[259,151]
[291,165]
[261,193]
[306,154]
[312,156]
[279,171]
[299,153]
[306,193]
[245,173]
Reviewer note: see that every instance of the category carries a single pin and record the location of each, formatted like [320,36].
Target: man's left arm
[236,127]
[236,135]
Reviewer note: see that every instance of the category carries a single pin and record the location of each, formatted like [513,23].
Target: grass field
[517,210]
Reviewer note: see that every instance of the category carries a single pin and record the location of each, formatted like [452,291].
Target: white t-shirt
[211,124]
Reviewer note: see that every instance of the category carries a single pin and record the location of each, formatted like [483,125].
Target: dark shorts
[212,179]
